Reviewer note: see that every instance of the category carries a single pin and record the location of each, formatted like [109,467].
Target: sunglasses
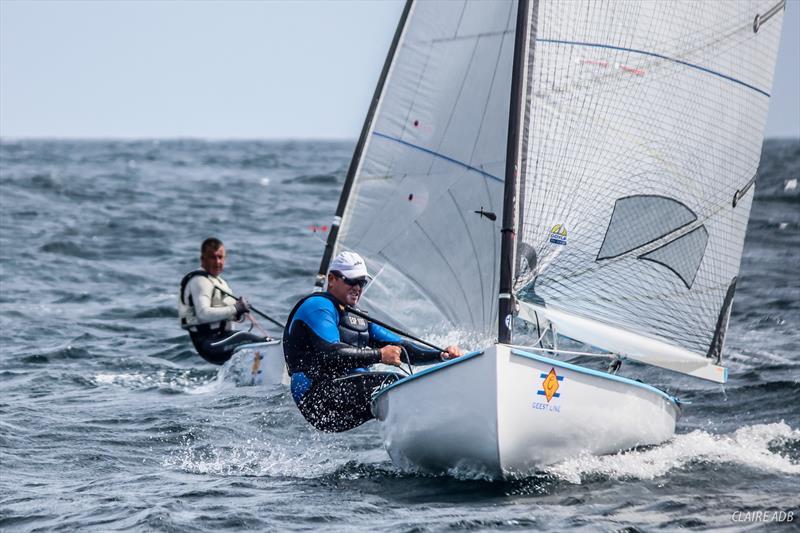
[362,282]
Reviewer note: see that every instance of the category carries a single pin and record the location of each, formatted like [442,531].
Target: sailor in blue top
[328,350]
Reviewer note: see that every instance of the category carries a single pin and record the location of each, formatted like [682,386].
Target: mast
[362,141]
[512,174]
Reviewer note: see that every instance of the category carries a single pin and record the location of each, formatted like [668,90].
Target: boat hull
[507,412]
[256,364]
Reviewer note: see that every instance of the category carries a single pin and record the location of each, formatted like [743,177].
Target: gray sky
[244,69]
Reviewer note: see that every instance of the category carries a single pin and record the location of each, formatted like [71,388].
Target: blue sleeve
[321,316]
[313,345]
[380,334]
[418,354]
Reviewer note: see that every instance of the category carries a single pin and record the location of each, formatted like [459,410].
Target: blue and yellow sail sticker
[558,234]
[550,385]
[256,364]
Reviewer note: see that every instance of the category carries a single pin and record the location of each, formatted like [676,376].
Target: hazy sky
[248,69]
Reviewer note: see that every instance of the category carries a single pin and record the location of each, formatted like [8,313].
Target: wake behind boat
[578,169]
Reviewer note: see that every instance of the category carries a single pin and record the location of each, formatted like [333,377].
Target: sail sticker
[256,364]
[550,385]
[558,234]
[605,64]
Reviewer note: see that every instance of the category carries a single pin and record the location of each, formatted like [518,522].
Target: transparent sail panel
[435,159]
[646,120]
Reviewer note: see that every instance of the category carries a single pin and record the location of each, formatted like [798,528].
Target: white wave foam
[182,381]
[747,446]
[307,458]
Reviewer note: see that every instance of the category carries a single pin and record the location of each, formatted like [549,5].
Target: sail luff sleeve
[512,174]
[525,257]
[355,162]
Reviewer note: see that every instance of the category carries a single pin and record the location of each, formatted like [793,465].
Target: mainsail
[425,189]
[632,133]
[645,127]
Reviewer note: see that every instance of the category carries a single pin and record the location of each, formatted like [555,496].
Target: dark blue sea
[109,421]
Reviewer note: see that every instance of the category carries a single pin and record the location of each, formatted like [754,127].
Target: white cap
[350,265]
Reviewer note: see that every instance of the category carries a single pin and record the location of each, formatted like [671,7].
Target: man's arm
[201,289]
[322,320]
[418,354]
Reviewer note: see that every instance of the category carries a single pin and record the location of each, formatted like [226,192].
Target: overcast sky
[247,69]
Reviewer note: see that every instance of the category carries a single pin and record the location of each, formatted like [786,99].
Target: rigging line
[656,55]
[436,154]
[568,352]
[544,332]
[474,252]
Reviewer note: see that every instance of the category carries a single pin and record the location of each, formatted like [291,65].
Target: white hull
[488,414]
[256,364]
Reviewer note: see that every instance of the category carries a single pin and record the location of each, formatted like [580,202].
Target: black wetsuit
[215,342]
[327,351]
[217,345]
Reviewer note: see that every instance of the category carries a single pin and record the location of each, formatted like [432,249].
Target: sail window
[683,255]
[642,219]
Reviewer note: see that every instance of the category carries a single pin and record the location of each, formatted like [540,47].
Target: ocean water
[109,420]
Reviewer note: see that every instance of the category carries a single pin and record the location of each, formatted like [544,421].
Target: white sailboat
[586,167]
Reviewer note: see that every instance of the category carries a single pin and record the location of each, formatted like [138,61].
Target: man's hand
[390,355]
[242,307]
[451,352]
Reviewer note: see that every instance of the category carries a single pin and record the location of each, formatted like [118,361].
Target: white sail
[634,134]
[645,127]
[433,155]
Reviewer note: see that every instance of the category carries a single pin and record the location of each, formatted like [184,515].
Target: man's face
[347,294]
[213,261]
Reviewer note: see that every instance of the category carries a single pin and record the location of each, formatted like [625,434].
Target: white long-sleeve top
[204,303]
